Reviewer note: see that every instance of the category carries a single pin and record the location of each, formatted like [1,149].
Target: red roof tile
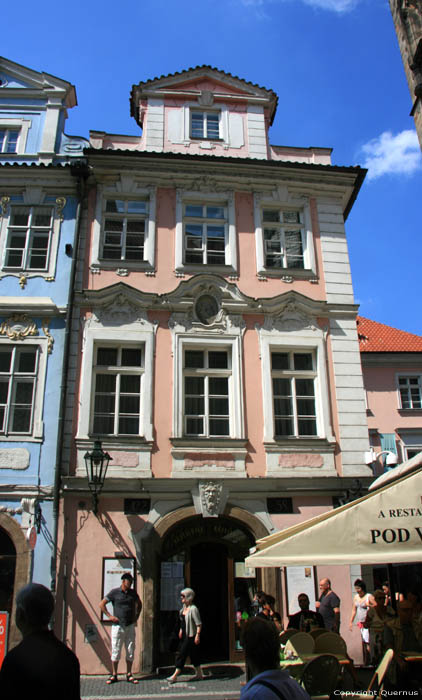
[377,337]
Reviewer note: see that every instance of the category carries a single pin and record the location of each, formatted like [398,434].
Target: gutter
[80,170]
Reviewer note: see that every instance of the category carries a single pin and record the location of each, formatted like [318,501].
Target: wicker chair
[289,632]
[330,643]
[301,643]
[317,631]
[320,676]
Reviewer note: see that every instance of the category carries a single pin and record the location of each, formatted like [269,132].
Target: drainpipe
[79,170]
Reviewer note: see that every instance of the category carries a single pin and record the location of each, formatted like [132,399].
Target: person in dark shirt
[127,607]
[40,666]
[404,634]
[305,619]
[328,606]
[262,655]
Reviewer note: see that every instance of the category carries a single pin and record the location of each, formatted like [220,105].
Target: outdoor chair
[289,632]
[317,631]
[319,676]
[300,643]
[376,685]
[330,643]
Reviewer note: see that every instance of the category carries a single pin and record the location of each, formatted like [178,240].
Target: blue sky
[335,65]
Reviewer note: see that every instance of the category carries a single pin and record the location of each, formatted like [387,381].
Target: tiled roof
[377,337]
[187,71]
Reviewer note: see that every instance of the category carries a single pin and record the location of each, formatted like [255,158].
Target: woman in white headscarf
[190,636]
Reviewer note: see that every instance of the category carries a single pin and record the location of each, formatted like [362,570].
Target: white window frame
[211,342]
[206,373]
[204,113]
[410,439]
[408,375]
[306,340]
[56,221]
[125,217]
[293,374]
[21,125]
[126,190]
[262,202]
[117,370]
[223,112]
[95,337]
[225,199]
[37,427]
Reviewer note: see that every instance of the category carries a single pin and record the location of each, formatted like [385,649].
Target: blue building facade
[42,172]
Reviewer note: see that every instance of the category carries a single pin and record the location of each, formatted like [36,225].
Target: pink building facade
[392,373]
[214,355]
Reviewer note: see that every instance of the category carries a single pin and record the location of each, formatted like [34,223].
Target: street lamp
[96,464]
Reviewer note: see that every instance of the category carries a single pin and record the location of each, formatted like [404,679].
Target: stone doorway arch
[13,531]
[152,547]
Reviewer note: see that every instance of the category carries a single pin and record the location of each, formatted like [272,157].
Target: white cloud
[338,6]
[392,155]
[334,5]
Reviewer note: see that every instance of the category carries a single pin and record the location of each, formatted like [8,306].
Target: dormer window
[205,125]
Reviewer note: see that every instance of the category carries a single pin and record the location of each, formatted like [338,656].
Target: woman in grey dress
[190,637]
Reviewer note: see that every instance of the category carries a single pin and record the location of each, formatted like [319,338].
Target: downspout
[80,170]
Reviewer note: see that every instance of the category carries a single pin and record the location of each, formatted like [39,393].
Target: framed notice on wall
[299,579]
[113,570]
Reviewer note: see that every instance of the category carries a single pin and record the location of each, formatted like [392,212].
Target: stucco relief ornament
[182,320]
[211,494]
[206,98]
[289,320]
[22,281]
[60,205]
[50,340]
[119,312]
[4,204]
[205,184]
[18,327]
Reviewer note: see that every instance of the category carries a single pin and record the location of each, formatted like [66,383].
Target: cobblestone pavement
[221,682]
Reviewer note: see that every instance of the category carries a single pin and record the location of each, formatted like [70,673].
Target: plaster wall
[165,280]
[384,413]
[83,542]
[38,286]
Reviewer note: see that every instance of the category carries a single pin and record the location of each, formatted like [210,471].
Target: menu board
[172,582]
[299,579]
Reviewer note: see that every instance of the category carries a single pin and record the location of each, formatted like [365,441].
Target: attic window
[205,125]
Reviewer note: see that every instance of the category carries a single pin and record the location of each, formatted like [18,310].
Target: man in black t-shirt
[127,607]
[305,619]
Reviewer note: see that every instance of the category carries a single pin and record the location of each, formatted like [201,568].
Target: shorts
[120,635]
[365,635]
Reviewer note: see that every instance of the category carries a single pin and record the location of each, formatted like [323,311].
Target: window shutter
[388,442]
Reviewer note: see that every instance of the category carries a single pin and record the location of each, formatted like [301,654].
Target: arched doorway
[207,554]
[15,564]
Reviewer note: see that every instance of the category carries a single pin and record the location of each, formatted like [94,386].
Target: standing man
[40,666]
[305,619]
[328,606]
[127,607]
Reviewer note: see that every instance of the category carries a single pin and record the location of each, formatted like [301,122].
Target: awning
[384,526]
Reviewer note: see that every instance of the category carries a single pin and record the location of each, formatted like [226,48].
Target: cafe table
[294,666]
